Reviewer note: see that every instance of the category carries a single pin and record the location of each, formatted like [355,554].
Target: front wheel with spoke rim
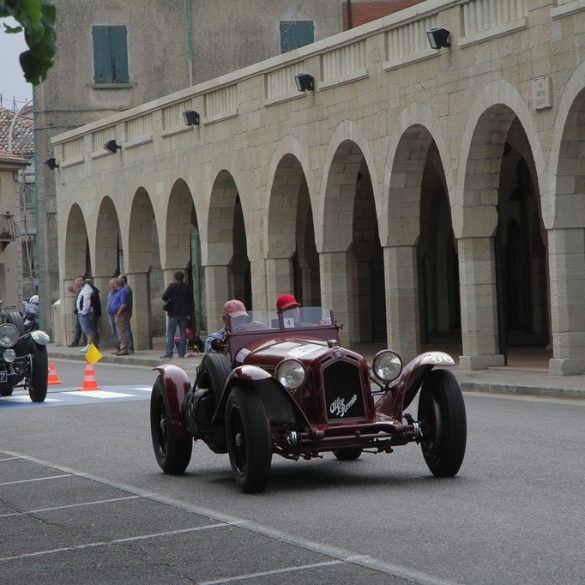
[443,422]
[249,439]
[172,452]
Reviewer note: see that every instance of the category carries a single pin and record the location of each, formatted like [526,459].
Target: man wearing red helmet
[288,305]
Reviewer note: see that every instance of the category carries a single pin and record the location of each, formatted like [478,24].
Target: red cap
[286,301]
[234,308]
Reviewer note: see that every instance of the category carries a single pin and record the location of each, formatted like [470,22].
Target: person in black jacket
[177,296]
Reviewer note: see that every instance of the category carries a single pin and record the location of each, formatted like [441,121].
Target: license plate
[3,377]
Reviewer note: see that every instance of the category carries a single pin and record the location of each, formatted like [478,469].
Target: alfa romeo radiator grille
[343,391]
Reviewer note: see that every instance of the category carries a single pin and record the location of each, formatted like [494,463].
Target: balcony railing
[7,229]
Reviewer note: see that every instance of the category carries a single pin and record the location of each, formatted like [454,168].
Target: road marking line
[53,551]
[36,479]
[334,552]
[66,506]
[98,394]
[26,398]
[9,459]
[273,572]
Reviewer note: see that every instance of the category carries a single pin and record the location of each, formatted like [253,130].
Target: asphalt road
[82,500]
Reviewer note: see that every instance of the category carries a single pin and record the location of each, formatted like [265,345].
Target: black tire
[216,367]
[249,440]
[6,390]
[348,454]
[39,376]
[16,319]
[441,414]
[172,453]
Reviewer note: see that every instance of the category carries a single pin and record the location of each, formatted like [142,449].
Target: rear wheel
[39,377]
[172,453]
[6,390]
[248,439]
[349,454]
[443,422]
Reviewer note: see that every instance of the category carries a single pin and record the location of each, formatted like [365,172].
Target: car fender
[281,407]
[176,387]
[40,337]
[403,390]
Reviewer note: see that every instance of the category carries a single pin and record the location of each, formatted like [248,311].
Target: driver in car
[237,312]
[288,305]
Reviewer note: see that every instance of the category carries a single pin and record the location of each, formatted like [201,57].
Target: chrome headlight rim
[291,374]
[8,335]
[387,365]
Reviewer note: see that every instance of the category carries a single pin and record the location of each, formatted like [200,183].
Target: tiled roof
[10,157]
[22,134]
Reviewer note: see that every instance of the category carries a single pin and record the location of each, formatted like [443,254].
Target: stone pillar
[260,299]
[336,291]
[402,310]
[217,292]
[479,304]
[139,282]
[279,279]
[567,282]
[68,317]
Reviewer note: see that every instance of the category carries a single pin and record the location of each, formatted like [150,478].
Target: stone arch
[227,264]
[108,239]
[77,250]
[500,176]
[292,263]
[351,258]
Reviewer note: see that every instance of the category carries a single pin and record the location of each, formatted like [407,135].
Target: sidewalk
[531,380]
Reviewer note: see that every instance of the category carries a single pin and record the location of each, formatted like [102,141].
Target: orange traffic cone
[53,377]
[89,381]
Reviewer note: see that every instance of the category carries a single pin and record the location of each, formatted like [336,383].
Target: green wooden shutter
[295,34]
[110,54]
[119,52]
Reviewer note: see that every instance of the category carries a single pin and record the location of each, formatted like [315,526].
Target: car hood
[273,351]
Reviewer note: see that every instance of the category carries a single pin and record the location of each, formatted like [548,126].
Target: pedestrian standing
[79,337]
[112,310]
[120,313]
[85,310]
[123,283]
[177,296]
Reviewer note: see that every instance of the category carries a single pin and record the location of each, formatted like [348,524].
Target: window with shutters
[110,54]
[295,34]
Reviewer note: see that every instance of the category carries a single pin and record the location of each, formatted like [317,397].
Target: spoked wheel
[172,452]
[248,439]
[39,376]
[441,414]
[349,454]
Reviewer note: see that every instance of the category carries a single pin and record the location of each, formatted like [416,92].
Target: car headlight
[387,365]
[8,335]
[291,374]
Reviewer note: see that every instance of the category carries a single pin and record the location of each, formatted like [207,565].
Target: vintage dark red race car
[284,385]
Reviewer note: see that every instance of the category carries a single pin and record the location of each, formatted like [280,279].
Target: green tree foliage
[37,19]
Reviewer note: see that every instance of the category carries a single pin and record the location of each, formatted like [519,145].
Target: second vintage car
[284,385]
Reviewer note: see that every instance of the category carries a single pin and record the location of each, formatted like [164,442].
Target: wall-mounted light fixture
[112,146]
[439,37]
[191,118]
[52,163]
[305,82]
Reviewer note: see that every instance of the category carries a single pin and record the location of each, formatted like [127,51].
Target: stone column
[102,283]
[68,317]
[402,307]
[139,282]
[258,282]
[335,290]
[479,304]
[567,282]
[217,292]
[279,279]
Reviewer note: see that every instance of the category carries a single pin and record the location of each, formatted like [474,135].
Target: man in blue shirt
[118,315]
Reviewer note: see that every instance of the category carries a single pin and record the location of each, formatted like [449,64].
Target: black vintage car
[283,385]
[23,361]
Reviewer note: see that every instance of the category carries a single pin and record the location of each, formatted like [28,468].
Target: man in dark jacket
[178,296]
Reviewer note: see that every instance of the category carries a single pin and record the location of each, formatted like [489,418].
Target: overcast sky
[12,82]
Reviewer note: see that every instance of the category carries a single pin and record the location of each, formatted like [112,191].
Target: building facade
[422,194]
[112,57]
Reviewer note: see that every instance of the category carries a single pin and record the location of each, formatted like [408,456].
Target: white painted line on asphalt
[98,394]
[26,398]
[80,505]
[411,575]
[35,479]
[9,459]
[53,551]
[273,572]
